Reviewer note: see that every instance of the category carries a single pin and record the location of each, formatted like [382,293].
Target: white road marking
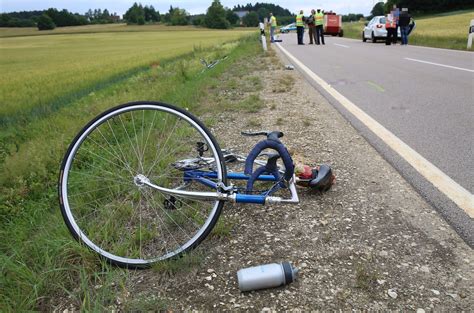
[458,194]
[341,45]
[413,46]
[443,65]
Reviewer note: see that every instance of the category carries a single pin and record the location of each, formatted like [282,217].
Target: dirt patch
[370,243]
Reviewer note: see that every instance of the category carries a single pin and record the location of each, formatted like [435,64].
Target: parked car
[288,28]
[375,30]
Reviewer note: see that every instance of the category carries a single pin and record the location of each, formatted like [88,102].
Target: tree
[232,17]
[378,9]
[45,23]
[351,17]
[198,20]
[389,5]
[178,16]
[430,6]
[64,17]
[250,20]
[134,14]
[150,14]
[216,16]
[262,13]
[275,9]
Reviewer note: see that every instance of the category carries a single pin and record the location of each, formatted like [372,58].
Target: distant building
[115,18]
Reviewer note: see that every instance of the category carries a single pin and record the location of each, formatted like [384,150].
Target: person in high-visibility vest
[273,25]
[300,27]
[391,27]
[319,21]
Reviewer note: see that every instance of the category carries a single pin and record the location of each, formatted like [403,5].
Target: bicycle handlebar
[275,144]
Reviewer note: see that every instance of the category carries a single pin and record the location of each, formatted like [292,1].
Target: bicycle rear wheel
[104,207]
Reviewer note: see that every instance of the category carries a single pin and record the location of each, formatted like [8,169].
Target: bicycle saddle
[320,178]
[323,178]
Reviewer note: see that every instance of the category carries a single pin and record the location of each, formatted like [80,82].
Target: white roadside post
[471,35]
[264,40]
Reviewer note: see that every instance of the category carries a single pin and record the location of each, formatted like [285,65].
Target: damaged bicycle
[146,181]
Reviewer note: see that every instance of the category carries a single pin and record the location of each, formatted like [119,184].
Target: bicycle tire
[129,225]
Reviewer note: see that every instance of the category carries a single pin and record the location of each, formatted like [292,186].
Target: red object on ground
[307,172]
[333,24]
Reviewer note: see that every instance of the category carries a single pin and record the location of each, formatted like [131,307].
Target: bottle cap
[289,271]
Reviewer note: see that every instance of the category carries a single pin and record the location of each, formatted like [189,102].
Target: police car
[288,28]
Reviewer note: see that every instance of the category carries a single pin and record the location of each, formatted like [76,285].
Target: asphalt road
[424,96]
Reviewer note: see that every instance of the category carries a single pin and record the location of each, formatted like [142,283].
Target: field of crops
[441,31]
[38,71]
[51,85]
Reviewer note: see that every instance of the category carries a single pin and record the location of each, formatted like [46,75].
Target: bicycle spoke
[158,151]
[102,171]
[161,220]
[127,223]
[119,146]
[138,145]
[149,132]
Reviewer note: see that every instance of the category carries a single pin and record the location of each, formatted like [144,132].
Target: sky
[192,6]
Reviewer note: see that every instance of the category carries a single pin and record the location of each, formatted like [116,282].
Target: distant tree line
[20,19]
[422,6]
[259,11]
[351,17]
[217,17]
[263,9]
[139,14]
[101,17]
[51,18]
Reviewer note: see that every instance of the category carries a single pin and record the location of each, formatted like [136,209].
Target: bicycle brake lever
[264,133]
[270,135]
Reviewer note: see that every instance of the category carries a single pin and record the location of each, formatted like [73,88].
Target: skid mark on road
[445,184]
[376,86]
[442,65]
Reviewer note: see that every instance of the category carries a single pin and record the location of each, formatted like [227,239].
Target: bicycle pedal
[170,203]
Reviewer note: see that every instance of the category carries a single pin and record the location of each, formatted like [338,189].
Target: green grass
[99,28]
[448,30]
[42,73]
[41,265]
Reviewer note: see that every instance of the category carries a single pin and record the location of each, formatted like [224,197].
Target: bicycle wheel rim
[206,221]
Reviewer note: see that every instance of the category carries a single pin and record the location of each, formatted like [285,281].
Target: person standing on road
[396,15]
[318,21]
[404,23]
[300,27]
[311,27]
[273,25]
[391,28]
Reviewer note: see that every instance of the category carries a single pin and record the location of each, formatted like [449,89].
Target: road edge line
[458,194]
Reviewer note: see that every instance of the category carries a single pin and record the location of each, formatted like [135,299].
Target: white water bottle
[266,276]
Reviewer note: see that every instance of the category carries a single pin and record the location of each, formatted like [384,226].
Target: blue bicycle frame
[222,192]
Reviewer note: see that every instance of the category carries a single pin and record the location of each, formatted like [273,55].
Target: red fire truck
[333,24]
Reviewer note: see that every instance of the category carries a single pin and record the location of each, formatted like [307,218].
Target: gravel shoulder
[369,243]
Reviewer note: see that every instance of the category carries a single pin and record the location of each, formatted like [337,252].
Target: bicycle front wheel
[127,223]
